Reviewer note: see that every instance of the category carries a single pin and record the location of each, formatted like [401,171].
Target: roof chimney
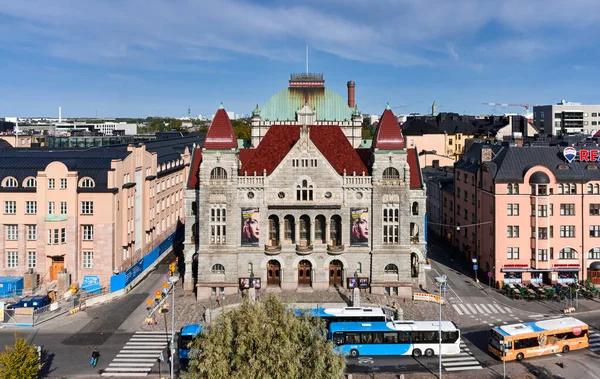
[351,99]
[486,154]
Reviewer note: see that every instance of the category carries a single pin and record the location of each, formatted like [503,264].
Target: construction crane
[526,106]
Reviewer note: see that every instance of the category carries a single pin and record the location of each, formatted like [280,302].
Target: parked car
[34,302]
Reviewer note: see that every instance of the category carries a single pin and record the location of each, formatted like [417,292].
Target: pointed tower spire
[221,135]
[388,135]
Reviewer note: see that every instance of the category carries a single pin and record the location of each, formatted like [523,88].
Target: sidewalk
[190,311]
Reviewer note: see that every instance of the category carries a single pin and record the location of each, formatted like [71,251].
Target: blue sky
[138,58]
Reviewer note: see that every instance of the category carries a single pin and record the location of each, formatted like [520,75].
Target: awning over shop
[595,266]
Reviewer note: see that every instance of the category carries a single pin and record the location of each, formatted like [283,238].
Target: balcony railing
[272,250]
[335,249]
[304,249]
[251,181]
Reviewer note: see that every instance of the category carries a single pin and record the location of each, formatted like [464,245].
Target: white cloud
[156,34]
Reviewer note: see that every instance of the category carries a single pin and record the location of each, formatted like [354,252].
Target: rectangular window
[30,207]
[542,210]
[51,207]
[63,207]
[63,235]
[542,255]
[88,232]
[595,231]
[31,259]
[390,225]
[31,232]
[12,259]
[12,232]
[594,209]
[512,253]
[51,183]
[10,207]
[63,183]
[567,209]
[56,236]
[567,231]
[512,209]
[218,224]
[88,259]
[543,233]
[87,207]
[513,231]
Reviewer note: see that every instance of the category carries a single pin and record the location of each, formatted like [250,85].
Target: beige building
[92,212]
[567,118]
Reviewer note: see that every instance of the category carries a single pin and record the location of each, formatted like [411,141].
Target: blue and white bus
[186,335]
[395,338]
[356,314]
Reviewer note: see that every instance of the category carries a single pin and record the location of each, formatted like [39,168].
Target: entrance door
[58,263]
[595,276]
[304,273]
[335,272]
[273,273]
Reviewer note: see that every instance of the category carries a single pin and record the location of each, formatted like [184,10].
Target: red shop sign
[566,265]
[516,265]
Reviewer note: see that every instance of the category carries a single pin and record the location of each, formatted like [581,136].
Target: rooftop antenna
[307,59]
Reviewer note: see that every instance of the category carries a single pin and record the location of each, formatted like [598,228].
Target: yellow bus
[532,339]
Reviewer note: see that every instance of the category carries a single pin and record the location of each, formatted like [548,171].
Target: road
[69,340]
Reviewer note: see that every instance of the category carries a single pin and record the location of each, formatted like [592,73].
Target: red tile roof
[221,135]
[336,148]
[388,135]
[245,155]
[365,155]
[416,180]
[194,168]
[278,141]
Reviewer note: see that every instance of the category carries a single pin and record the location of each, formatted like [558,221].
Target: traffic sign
[475,267]
[490,274]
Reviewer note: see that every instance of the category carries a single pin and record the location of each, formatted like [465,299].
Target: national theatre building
[305,208]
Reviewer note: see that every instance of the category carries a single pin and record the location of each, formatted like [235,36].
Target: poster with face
[359,224]
[250,226]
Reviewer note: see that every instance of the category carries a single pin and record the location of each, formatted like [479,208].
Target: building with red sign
[525,213]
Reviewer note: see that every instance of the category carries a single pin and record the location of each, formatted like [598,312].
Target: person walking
[95,356]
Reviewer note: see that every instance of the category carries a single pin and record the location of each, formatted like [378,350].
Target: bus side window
[390,337]
[377,337]
[449,337]
[352,338]
[338,338]
[403,337]
[416,337]
[366,338]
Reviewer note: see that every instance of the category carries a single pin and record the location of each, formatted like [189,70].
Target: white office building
[566,118]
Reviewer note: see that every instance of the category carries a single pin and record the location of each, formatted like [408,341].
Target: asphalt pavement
[68,341]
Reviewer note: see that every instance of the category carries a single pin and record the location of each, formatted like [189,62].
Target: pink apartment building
[92,212]
[526,214]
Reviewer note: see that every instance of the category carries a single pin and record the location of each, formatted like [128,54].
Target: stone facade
[304,242]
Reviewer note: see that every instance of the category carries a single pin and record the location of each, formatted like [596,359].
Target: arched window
[217,269]
[573,189]
[87,183]
[509,189]
[304,193]
[516,189]
[594,253]
[218,173]
[415,208]
[589,189]
[391,269]
[30,183]
[567,253]
[11,182]
[561,189]
[595,189]
[359,268]
[391,173]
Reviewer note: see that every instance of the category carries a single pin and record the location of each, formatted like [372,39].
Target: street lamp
[173,280]
[504,347]
[441,282]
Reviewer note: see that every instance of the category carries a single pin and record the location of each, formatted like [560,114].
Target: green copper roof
[328,105]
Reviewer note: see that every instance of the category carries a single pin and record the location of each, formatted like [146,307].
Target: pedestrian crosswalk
[485,309]
[594,341]
[139,355]
[461,362]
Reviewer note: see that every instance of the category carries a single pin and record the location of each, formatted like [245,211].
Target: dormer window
[87,183]
[30,183]
[11,183]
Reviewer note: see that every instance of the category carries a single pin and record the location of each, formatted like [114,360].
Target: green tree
[264,340]
[20,361]
[175,125]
